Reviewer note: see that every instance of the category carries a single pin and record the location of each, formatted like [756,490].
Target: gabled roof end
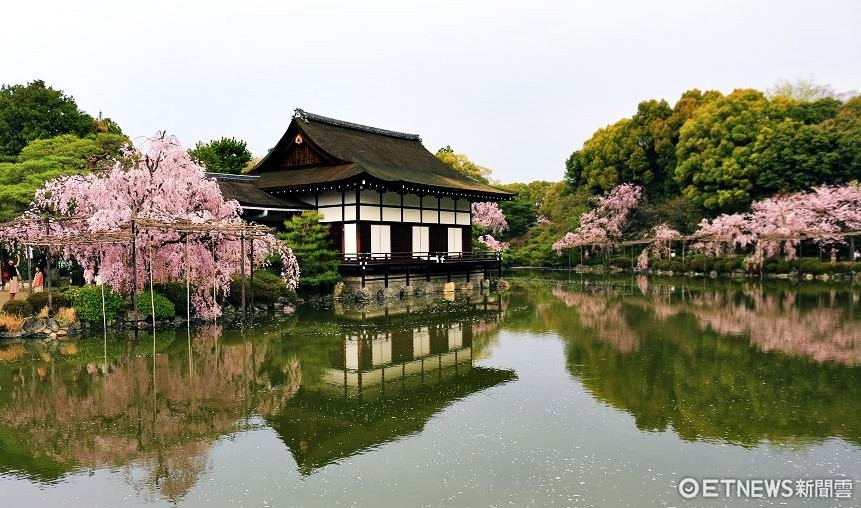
[305,116]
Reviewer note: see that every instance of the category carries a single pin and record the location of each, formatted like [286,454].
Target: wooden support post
[408,273]
[48,269]
[242,269]
[188,285]
[151,291]
[134,270]
[251,267]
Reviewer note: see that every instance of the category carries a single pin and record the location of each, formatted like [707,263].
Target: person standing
[38,281]
[13,279]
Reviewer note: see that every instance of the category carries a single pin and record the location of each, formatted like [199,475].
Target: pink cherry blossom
[489,216]
[159,183]
[603,225]
[492,243]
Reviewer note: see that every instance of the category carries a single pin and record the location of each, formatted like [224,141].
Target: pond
[574,392]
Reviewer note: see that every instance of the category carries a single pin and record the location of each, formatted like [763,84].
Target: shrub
[88,303]
[814,266]
[268,288]
[164,308]
[40,300]
[176,293]
[11,323]
[66,315]
[18,308]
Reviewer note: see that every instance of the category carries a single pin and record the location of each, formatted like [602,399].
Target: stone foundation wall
[351,287]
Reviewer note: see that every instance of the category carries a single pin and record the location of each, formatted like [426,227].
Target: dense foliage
[461,163]
[225,155]
[88,303]
[268,289]
[36,111]
[44,159]
[164,308]
[721,152]
[40,300]
[18,308]
[312,247]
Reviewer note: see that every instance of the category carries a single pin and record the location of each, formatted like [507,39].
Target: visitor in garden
[38,281]
[13,279]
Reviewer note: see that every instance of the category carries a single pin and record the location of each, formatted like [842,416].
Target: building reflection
[385,378]
[87,404]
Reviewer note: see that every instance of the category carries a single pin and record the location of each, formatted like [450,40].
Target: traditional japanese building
[394,209]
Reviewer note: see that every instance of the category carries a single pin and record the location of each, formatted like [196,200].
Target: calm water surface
[559,393]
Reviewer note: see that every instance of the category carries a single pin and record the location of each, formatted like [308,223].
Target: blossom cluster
[489,216]
[775,226]
[159,183]
[603,225]
[492,243]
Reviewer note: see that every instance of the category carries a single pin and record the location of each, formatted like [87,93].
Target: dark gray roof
[355,150]
[250,195]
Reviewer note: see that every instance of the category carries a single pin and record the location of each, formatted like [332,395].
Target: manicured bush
[268,288]
[88,303]
[40,300]
[176,293]
[164,308]
[18,308]
[814,266]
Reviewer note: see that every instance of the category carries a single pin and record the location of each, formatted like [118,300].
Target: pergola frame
[127,234]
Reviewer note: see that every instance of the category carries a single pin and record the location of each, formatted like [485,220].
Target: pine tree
[311,244]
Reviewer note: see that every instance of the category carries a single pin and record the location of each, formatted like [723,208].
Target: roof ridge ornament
[300,114]
[306,117]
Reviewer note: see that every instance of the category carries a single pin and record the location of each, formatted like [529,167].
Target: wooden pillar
[251,267]
[134,270]
[48,269]
[188,286]
[242,269]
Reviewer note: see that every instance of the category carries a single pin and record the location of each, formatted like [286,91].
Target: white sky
[517,86]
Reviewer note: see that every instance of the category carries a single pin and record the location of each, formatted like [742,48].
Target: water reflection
[734,362]
[379,386]
[330,389]
[710,362]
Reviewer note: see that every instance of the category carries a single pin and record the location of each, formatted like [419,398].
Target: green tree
[847,125]
[225,155]
[35,111]
[522,212]
[640,149]
[461,163]
[44,159]
[715,147]
[792,156]
[311,244]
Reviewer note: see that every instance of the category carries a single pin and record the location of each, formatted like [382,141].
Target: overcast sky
[517,86]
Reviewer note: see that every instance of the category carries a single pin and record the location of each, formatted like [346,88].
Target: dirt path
[23,293]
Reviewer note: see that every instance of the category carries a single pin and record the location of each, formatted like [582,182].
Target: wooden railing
[380,258]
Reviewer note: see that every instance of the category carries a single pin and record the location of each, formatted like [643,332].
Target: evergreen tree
[312,246]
